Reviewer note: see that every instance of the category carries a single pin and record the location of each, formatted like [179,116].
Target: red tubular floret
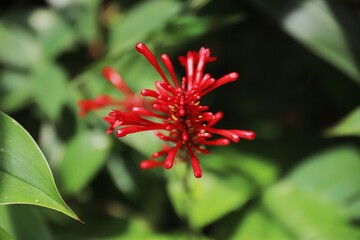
[149,93]
[249,135]
[143,49]
[166,60]
[169,161]
[147,164]
[226,133]
[112,76]
[225,79]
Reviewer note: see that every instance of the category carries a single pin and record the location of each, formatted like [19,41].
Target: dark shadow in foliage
[66,124]
[280,8]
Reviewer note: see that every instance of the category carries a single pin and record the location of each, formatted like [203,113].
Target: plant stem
[190,231]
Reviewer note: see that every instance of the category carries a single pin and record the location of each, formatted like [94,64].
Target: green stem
[191,232]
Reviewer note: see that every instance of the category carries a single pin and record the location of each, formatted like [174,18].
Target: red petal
[169,161]
[249,135]
[147,164]
[144,50]
[196,167]
[113,77]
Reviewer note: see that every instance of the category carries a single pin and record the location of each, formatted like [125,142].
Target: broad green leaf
[5,219]
[121,177]
[49,86]
[308,215]
[229,178]
[4,235]
[258,225]
[83,157]
[339,180]
[315,200]
[348,126]
[259,170]
[25,176]
[141,20]
[15,90]
[24,222]
[53,33]
[18,47]
[199,201]
[315,25]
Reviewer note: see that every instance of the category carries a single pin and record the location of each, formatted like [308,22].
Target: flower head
[174,111]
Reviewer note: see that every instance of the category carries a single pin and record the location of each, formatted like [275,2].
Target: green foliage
[231,178]
[16,90]
[129,29]
[49,87]
[299,72]
[4,235]
[25,175]
[16,218]
[313,205]
[306,204]
[18,47]
[315,25]
[52,32]
[83,157]
[348,126]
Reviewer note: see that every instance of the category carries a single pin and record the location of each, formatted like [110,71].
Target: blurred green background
[299,66]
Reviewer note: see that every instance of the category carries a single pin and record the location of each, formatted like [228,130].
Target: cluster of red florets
[174,111]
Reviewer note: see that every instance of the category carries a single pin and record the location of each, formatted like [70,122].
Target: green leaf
[229,177]
[18,47]
[316,200]
[120,175]
[25,176]
[49,86]
[259,225]
[138,22]
[348,126]
[4,235]
[315,25]
[308,215]
[339,180]
[84,155]
[15,89]
[24,222]
[53,33]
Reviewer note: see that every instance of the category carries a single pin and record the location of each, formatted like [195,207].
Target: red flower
[130,100]
[174,113]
